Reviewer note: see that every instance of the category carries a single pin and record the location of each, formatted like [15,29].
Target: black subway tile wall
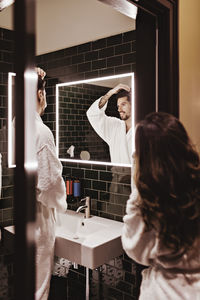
[74,127]
[6,198]
[103,56]
[108,187]
[6,65]
[107,56]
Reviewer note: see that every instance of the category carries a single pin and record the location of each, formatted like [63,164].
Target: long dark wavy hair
[167,176]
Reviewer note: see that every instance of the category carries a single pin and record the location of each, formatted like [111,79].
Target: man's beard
[42,112]
[124,116]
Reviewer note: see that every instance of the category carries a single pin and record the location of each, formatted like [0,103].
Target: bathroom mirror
[76,139]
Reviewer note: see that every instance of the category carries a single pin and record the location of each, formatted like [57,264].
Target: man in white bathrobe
[115,132]
[51,195]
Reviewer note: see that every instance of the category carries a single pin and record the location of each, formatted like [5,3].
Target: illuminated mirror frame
[11,75]
[10,125]
[89,81]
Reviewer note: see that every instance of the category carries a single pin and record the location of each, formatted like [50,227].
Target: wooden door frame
[166,14]
[157,80]
[24,175]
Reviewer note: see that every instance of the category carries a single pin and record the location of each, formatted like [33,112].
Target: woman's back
[171,275]
[162,224]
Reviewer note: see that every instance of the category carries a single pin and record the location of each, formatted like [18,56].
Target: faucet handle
[84,199]
[86,206]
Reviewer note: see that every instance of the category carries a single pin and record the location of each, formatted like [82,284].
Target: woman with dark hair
[162,221]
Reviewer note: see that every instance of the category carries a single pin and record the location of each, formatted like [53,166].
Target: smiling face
[124,108]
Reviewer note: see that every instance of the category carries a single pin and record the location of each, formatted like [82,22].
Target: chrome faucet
[85,207]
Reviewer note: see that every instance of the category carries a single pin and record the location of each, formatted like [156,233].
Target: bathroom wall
[6,199]
[108,187]
[6,65]
[189,67]
[107,56]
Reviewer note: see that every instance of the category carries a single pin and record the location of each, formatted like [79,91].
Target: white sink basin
[88,242]
[76,226]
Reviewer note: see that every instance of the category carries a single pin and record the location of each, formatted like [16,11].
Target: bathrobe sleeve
[139,244]
[51,189]
[102,124]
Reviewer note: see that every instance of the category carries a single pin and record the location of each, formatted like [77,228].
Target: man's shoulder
[43,134]
[118,121]
[115,124]
[43,128]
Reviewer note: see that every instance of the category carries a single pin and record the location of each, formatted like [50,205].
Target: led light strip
[10,124]
[93,162]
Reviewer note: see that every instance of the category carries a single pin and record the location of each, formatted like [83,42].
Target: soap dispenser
[69,188]
[77,188]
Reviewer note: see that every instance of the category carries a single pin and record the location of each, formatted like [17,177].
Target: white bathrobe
[170,276]
[51,196]
[113,131]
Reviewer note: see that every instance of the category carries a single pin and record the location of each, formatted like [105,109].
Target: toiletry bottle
[77,188]
[69,188]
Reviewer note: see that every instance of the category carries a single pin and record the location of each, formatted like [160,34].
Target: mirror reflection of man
[117,133]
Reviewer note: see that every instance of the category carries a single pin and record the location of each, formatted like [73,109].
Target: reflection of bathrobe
[113,131]
[51,196]
[170,276]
